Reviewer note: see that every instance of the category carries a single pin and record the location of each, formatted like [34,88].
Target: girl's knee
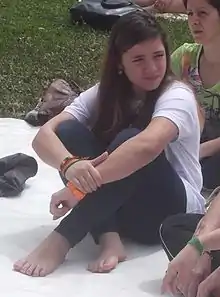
[171,227]
[68,128]
[123,136]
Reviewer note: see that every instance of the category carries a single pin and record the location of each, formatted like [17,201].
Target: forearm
[49,148]
[210,148]
[176,6]
[169,6]
[126,159]
[211,240]
[211,220]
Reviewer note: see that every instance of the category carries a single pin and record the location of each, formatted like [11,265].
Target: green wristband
[196,243]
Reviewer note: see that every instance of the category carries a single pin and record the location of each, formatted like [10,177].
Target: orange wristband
[76,192]
[66,162]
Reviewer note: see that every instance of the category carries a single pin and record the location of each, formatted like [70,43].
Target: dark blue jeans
[134,206]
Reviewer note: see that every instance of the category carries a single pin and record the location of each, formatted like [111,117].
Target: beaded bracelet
[66,162]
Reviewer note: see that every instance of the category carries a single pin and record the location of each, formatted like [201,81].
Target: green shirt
[185,64]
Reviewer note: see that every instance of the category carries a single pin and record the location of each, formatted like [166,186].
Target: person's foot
[45,258]
[112,252]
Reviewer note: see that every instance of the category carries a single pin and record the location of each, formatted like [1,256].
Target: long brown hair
[115,89]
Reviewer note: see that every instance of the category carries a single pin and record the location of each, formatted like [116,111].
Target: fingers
[78,185]
[55,208]
[175,288]
[196,278]
[54,204]
[60,212]
[85,176]
[93,179]
[204,290]
[210,285]
[193,287]
[95,162]
[96,177]
[169,281]
[89,181]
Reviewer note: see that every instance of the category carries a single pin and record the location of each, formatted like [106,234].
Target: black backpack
[101,14]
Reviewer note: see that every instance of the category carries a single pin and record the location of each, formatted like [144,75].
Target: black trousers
[177,230]
[210,171]
[134,206]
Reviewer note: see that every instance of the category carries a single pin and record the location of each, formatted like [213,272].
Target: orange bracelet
[66,162]
[76,192]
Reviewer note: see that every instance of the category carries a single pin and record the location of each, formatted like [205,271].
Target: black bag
[101,14]
[14,171]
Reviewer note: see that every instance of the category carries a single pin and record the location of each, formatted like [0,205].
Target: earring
[120,71]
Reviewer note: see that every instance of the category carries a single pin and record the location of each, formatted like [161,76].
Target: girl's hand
[179,274]
[84,175]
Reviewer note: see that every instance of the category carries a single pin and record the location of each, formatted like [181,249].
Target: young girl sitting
[139,131]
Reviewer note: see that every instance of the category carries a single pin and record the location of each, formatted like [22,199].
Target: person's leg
[52,251]
[211,172]
[159,196]
[140,217]
[80,142]
[98,207]
[176,231]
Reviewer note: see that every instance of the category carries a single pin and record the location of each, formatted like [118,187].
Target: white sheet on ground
[25,221]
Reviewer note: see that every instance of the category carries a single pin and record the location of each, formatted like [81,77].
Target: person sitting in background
[199,64]
[192,244]
[163,6]
[191,241]
[149,124]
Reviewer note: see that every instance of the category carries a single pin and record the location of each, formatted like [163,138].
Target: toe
[19,264]
[109,264]
[25,267]
[31,269]
[37,270]
[93,267]
[43,272]
[100,265]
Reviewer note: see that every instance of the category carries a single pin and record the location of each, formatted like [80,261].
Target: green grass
[38,43]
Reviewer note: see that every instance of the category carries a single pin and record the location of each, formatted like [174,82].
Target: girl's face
[204,21]
[145,64]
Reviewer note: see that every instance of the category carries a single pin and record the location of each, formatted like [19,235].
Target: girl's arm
[211,240]
[138,151]
[209,148]
[174,116]
[170,6]
[47,145]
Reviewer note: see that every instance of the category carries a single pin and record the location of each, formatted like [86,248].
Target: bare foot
[112,252]
[45,258]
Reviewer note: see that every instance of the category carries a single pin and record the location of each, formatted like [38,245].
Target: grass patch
[38,43]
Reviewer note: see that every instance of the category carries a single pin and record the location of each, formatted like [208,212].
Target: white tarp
[25,221]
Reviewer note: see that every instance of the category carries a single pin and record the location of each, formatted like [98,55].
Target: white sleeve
[178,104]
[85,107]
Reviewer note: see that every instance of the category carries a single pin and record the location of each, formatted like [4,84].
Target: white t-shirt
[177,104]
